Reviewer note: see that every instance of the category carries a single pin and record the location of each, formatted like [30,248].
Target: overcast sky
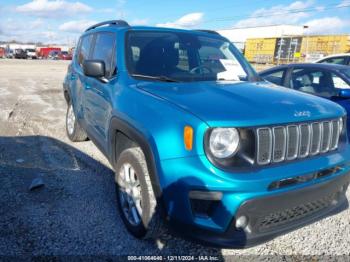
[61,21]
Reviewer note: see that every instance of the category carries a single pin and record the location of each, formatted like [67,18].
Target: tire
[74,132]
[151,224]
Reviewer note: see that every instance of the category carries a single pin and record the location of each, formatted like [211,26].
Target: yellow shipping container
[325,44]
[260,50]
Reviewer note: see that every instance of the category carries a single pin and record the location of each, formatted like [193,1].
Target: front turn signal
[188,137]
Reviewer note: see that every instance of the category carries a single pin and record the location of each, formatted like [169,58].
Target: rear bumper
[277,214]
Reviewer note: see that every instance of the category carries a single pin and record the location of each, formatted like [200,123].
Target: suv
[31,53]
[64,55]
[197,140]
[20,54]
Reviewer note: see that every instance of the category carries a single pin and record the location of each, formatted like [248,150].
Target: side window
[313,81]
[104,50]
[335,60]
[84,49]
[275,77]
[339,83]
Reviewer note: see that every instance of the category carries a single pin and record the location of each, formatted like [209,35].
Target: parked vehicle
[59,55]
[9,53]
[31,53]
[44,51]
[325,80]
[64,55]
[20,54]
[54,55]
[339,59]
[197,140]
[2,52]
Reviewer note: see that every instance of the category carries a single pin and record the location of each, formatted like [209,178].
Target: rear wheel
[136,200]
[74,132]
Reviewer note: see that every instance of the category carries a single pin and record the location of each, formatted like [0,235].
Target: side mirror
[94,68]
[344,93]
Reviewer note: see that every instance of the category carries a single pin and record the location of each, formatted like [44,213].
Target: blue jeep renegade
[197,140]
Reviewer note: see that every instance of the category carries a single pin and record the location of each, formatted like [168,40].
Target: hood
[244,104]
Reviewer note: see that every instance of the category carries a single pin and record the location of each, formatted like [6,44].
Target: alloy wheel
[130,194]
[70,120]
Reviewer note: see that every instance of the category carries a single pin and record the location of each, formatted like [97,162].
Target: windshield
[184,57]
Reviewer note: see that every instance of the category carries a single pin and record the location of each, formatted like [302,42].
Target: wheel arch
[130,136]
[66,95]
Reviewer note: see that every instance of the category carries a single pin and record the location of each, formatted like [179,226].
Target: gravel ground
[75,212]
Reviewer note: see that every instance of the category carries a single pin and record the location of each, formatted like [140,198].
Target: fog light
[241,222]
[334,202]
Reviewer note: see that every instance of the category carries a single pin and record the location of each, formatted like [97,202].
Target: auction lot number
[173,258]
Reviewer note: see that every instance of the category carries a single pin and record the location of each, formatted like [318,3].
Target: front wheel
[74,132]
[136,200]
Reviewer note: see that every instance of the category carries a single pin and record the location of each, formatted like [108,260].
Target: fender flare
[66,94]
[119,125]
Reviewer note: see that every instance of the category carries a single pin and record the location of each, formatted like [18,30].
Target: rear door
[313,81]
[98,96]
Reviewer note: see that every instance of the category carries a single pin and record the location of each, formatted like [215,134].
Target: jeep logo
[302,113]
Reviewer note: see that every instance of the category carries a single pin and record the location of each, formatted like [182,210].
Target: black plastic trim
[208,31]
[118,125]
[120,23]
[205,195]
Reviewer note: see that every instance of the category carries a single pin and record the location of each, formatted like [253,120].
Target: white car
[31,53]
[340,59]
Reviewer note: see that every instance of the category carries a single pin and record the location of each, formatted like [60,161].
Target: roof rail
[120,23]
[207,31]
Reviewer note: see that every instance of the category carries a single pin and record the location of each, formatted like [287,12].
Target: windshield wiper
[160,78]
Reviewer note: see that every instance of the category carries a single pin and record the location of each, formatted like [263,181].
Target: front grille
[276,144]
[289,215]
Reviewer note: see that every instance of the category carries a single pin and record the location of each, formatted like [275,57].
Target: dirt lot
[75,212]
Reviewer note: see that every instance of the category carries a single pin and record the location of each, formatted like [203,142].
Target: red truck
[44,51]
[2,52]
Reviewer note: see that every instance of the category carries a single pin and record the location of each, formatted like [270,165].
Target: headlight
[223,142]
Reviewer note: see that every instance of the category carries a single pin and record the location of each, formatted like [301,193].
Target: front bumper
[269,212]
[269,217]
